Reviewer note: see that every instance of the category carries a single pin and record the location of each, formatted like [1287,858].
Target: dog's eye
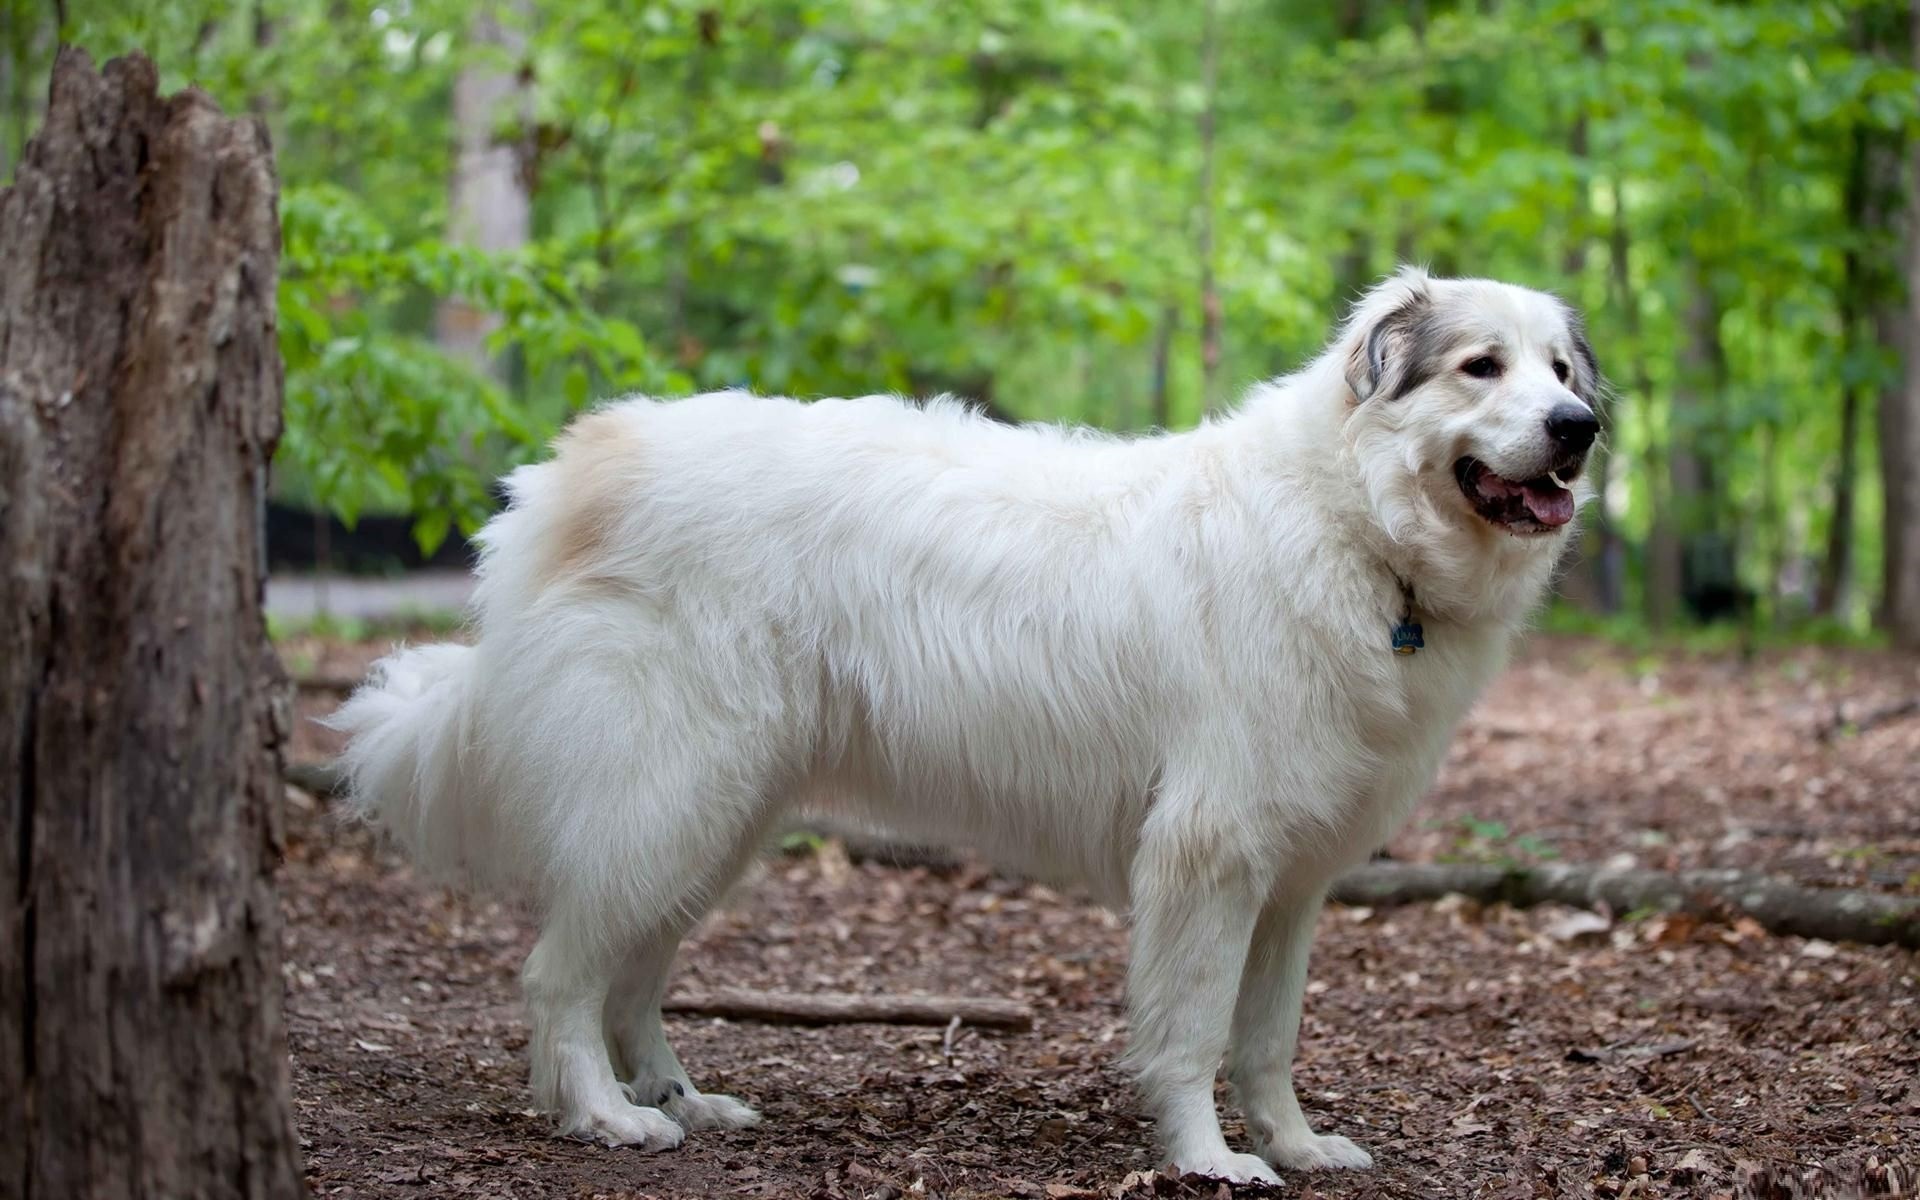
[1559,370]
[1484,367]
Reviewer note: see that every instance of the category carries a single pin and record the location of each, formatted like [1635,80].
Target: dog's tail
[409,763]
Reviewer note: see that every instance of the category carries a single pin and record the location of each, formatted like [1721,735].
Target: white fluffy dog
[1197,673]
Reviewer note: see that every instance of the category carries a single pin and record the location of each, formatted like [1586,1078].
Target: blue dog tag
[1406,637]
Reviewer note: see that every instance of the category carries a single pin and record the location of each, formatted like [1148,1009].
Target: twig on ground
[834,1008]
[1692,1096]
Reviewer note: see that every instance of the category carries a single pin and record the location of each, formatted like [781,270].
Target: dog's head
[1473,407]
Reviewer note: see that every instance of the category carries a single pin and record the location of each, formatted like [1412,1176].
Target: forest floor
[1474,1051]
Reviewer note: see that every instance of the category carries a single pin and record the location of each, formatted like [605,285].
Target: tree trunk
[1209,287]
[1353,267]
[1692,560]
[1161,402]
[1594,580]
[1836,565]
[1870,284]
[139,403]
[1625,298]
[489,207]
[1899,328]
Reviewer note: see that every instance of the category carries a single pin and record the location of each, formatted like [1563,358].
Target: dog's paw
[1317,1152]
[629,1125]
[1234,1168]
[702,1110]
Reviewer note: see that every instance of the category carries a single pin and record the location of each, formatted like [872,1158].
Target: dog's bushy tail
[409,763]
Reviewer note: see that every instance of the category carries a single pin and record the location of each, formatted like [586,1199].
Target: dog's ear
[1587,382]
[1384,359]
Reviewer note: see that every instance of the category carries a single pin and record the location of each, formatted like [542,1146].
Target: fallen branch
[322,779]
[837,1008]
[863,846]
[1841,722]
[1833,914]
[338,685]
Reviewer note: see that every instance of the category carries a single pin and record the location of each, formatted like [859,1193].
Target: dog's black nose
[1573,426]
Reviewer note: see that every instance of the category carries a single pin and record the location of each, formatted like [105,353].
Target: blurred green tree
[1020,200]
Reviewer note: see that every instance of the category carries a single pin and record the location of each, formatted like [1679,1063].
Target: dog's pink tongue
[1549,504]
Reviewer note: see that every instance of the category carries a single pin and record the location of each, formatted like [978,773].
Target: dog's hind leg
[567,979]
[609,937]
[1266,1029]
[641,1054]
[1194,904]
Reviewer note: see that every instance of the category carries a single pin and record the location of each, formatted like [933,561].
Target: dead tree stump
[140,991]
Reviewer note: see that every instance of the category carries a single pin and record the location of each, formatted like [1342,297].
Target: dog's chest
[1406,724]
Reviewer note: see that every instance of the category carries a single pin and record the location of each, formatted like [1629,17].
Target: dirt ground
[1475,1052]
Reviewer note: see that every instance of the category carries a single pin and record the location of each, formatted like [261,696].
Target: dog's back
[847,602]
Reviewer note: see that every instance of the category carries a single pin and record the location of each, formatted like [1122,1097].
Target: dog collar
[1407,637]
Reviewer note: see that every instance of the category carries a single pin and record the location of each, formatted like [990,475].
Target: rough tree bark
[140,985]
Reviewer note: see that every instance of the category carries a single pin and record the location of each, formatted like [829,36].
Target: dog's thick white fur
[1157,667]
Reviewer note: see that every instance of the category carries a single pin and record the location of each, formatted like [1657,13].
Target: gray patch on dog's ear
[1589,369]
[1389,360]
[1586,381]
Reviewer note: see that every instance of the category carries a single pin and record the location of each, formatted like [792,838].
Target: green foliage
[379,418]
[1491,842]
[324,626]
[1001,197]
[1630,632]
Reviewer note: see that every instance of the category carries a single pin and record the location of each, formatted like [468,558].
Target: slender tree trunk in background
[1209,288]
[1870,285]
[139,403]
[260,103]
[8,67]
[1406,244]
[1353,269]
[1773,520]
[1595,580]
[1687,551]
[1836,565]
[1620,286]
[24,38]
[1162,403]
[1899,329]
[489,207]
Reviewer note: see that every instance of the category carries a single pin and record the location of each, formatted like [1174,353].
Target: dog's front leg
[1266,1029]
[1193,918]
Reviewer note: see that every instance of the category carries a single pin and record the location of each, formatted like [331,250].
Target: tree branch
[1835,914]
[836,1008]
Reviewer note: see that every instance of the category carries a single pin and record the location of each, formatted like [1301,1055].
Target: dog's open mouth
[1539,505]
